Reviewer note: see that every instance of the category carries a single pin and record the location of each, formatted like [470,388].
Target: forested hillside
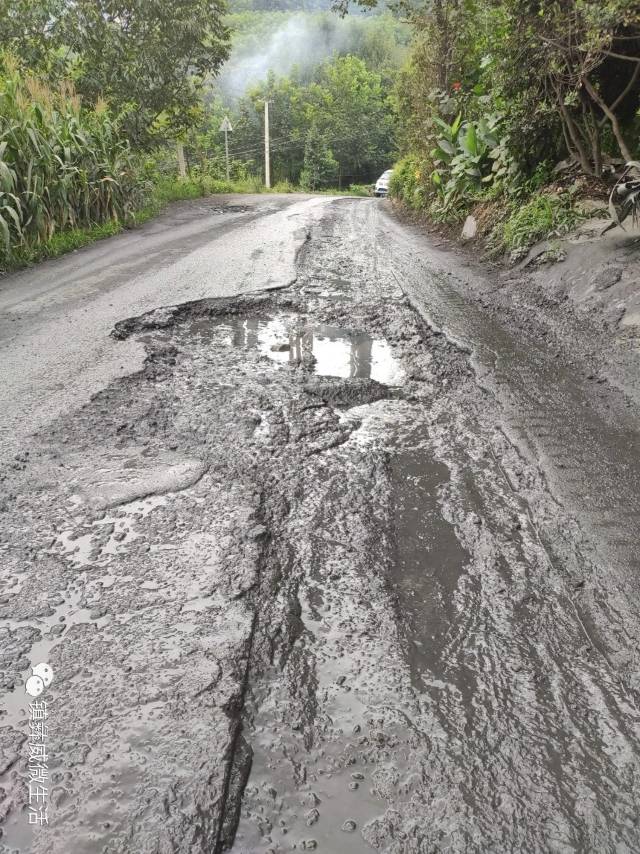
[109,112]
[330,82]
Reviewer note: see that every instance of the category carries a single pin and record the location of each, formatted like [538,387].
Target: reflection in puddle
[337,352]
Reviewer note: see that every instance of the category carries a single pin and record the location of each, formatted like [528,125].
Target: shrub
[284,187]
[544,215]
[360,190]
[407,185]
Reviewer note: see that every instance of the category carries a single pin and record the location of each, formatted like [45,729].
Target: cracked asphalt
[326,549]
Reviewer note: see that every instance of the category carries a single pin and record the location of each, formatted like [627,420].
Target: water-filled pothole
[336,352]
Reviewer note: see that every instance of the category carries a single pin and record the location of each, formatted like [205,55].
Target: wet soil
[321,577]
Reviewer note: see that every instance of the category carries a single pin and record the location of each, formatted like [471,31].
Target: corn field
[61,166]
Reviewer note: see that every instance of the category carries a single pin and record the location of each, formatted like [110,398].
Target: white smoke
[303,41]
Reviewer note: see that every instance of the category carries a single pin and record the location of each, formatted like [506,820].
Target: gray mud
[302,589]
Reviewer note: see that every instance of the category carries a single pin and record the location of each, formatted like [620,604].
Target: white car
[382,184]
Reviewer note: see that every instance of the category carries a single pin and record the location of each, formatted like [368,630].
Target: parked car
[382,184]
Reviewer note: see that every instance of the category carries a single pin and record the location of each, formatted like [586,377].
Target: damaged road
[321,566]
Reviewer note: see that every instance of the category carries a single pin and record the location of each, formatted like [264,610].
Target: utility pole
[225,127]
[182,165]
[267,165]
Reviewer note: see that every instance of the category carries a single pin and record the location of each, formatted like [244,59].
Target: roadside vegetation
[107,115]
[515,111]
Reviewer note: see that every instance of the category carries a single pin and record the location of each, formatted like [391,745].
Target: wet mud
[302,589]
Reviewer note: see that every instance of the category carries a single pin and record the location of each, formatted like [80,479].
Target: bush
[284,187]
[360,190]
[407,185]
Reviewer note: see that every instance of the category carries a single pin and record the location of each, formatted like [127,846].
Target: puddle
[337,352]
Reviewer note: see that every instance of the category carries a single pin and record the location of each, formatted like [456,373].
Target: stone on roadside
[470,228]
[607,277]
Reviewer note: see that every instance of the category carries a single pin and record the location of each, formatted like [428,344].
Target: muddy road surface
[326,549]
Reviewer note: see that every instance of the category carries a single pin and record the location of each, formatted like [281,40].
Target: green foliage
[165,191]
[496,92]
[407,185]
[284,187]
[336,126]
[494,88]
[148,59]
[320,166]
[59,244]
[470,160]
[61,167]
[360,190]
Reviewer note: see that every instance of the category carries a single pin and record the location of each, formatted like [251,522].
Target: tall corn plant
[60,166]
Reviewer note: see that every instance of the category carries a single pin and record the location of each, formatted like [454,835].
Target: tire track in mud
[586,443]
[508,730]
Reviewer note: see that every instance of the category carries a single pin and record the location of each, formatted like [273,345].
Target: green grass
[544,215]
[164,192]
[59,244]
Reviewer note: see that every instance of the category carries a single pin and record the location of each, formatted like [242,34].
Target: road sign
[225,128]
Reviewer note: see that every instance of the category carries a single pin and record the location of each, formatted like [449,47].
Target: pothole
[328,351]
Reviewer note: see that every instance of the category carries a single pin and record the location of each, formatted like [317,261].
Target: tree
[320,166]
[350,107]
[591,56]
[148,59]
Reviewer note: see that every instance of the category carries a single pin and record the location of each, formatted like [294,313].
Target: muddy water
[327,350]
[486,719]
[429,559]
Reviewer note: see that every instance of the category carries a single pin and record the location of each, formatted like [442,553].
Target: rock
[257,532]
[563,165]
[312,817]
[587,207]
[470,228]
[607,277]
[280,348]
